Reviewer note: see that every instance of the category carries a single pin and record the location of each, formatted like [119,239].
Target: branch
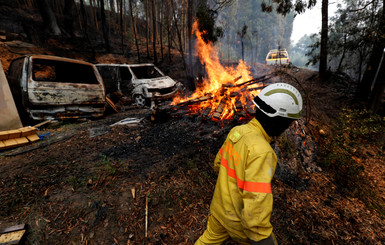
[222,3]
[364,7]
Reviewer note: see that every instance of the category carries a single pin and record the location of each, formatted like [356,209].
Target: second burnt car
[143,82]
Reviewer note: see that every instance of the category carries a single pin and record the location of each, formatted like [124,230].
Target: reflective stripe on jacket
[242,199]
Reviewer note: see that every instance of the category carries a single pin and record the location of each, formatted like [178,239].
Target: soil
[87,182]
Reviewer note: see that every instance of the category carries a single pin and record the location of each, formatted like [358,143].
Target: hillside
[89,183]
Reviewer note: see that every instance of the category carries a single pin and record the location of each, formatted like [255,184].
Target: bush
[355,131]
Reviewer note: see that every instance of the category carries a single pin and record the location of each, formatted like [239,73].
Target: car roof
[277,50]
[131,65]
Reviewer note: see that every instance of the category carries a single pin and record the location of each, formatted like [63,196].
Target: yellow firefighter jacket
[243,200]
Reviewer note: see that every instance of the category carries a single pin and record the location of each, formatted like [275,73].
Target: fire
[223,84]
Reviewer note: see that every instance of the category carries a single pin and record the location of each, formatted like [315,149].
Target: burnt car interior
[126,83]
[62,72]
[145,72]
[110,76]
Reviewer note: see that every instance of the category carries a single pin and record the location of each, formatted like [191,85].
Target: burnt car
[49,87]
[144,83]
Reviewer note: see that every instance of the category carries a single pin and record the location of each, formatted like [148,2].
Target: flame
[221,82]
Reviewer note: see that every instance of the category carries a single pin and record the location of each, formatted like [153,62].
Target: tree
[154,31]
[134,28]
[324,40]
[299,50]
[49,18]
[69,15]
[378,86]
[169,24]
[242,34]
[206,22]
[104,26]
[364,91]
[147,28]
[178,34]
[189,36]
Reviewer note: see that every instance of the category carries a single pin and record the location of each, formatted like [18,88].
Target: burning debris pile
[233,101]
[225,94]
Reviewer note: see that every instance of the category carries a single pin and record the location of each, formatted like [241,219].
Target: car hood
[161,82]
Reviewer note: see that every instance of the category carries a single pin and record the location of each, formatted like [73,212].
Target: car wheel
[140,100]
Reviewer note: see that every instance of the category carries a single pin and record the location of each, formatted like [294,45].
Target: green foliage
[298,52]
[74,182]
[352,33]
[206,21]
[343,155]
[191,164]
[284,7]
[109,165]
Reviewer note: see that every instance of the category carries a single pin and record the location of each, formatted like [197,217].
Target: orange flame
[220,83]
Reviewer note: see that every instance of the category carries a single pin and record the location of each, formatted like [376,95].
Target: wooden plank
[192,101]
[21,141]
[12,237]
[48,142]
[249,110]
[12,134]
[10,143]
[238,105]
[12,228]
[4,135]
[206,112]
[33,138]
[2,145]
[27,131]
[42,123]
[110,103]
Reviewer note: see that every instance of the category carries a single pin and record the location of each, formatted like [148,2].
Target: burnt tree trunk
[189,36]
[134,30]
[169,30]
[122,32]
[343,55]
[85,27]
[69,16]
[161,14]
[147,30]
[104,26]
[178,33]
[154,31]
[378,86]
[364,88]
[324,40]
[49,18]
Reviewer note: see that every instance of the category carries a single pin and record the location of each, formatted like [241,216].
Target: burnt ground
[88,183]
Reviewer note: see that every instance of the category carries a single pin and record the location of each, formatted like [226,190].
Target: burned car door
[111,79]
[126,85]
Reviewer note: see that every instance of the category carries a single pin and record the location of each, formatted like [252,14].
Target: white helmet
[280,99]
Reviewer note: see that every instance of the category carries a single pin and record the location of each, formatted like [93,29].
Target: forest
[351,42]
[95,181]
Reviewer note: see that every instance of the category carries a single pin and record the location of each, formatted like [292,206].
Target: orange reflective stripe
[246,185]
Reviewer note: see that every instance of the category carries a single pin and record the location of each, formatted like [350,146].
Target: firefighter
[242,203]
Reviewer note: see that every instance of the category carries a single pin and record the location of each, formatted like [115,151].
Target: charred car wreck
[144,83]
[49,87]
